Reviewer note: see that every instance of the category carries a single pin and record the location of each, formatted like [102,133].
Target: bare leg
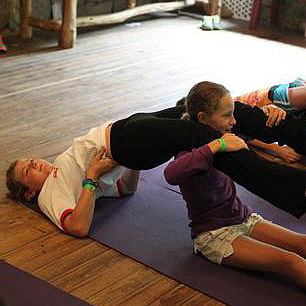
[253,254]
[211,21]
[297,97]
[215,7]
[215,12]
[280,237]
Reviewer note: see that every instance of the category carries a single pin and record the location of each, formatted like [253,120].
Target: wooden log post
[274,12]
[69,23]
[25,14]
[254,14]
[47,25]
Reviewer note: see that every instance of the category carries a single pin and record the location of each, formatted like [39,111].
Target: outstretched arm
[251,121]
[284,152]
[275,114]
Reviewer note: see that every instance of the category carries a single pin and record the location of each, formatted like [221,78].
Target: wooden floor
[49,96]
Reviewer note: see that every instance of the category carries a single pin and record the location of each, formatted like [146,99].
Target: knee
[289,261]
[300,245]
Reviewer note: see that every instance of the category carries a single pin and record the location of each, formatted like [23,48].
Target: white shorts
[217,244]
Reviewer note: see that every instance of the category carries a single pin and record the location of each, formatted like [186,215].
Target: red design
[55,169]
[118,183]
[63,217]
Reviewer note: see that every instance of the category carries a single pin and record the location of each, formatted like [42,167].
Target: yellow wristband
[222,143]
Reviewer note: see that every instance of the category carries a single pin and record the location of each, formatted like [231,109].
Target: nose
[233,121]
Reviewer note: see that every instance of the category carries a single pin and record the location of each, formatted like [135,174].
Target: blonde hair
[15,188]
[204,97]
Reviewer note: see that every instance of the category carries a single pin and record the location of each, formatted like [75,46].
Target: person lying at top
[291,98]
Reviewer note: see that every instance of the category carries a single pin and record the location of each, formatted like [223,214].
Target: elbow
[75,225]
[78,231]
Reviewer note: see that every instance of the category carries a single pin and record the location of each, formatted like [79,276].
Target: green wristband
[222,143]
[89,187]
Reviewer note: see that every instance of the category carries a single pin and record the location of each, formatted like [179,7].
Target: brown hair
[204,97]
[15,188]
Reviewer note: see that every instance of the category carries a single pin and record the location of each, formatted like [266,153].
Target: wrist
[222,144]
[272,146]
[214,146]
[90,184]
[92,175]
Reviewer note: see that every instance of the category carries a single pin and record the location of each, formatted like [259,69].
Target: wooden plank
[66,258]
[151,292]
[81,275]
[107,279]
[179,296]
[126,288]
[44,251]
[20,239]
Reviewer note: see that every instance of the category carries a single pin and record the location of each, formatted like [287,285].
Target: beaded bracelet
[222,143]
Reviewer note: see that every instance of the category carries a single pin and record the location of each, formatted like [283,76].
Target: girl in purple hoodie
[224,229]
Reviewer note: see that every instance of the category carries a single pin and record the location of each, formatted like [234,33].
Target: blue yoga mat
[151,227]
[19,288]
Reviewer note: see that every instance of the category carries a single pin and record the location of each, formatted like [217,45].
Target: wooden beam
[44,24]
[139,10]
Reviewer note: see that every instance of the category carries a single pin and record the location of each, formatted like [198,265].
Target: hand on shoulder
[231,143]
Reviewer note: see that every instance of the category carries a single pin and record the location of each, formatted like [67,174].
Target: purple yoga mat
[151,227]
[19,288]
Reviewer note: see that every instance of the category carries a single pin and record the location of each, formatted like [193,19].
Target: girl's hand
[275,114]
[287,154]
[100,164]
[233,142]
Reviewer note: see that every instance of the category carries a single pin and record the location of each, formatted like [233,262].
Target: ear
[30,194]
[202,117]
